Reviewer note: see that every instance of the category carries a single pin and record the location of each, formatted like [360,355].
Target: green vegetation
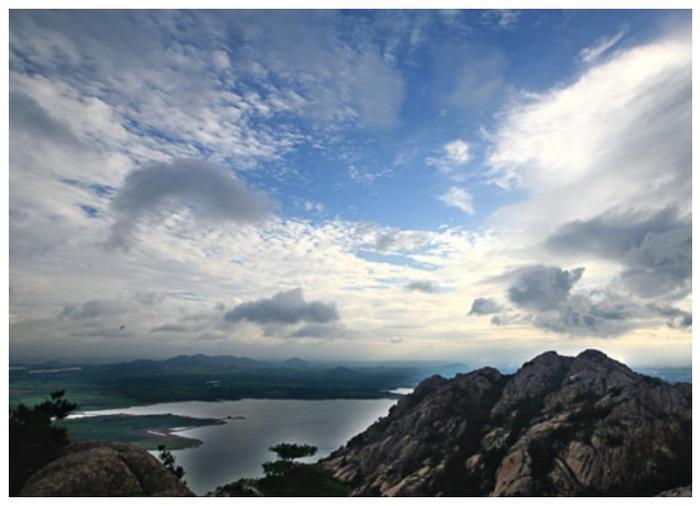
[36,437]
[166,458]
[290,451]
[205,378]
[286,478]
[145,431]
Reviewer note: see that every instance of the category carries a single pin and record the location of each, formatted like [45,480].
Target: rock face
[565,426]
[104,469]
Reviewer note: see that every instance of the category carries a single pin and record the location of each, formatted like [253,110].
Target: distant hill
[296,362]
[201,360]
[559,426]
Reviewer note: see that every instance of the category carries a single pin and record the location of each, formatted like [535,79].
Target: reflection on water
[401,391]
[238,448]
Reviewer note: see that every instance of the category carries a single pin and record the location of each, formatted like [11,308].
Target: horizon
[33,362]
[351,185]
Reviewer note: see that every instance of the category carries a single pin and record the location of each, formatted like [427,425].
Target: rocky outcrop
[585,425]
[104,469]
[678,492]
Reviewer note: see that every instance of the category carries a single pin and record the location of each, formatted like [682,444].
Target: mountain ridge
[584,425]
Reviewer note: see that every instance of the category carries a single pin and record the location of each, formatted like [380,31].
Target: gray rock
[103,469]
[585,425]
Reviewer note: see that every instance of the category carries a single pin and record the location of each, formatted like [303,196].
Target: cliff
[560,426]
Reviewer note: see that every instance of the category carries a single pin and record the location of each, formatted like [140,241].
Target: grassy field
[145,431]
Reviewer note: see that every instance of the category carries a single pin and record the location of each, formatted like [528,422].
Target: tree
[286,478]
[167,459]
[291,451]
[36,437]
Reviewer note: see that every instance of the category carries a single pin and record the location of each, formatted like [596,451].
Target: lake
[237,448]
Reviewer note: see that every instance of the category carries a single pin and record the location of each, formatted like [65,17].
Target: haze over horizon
[467,186]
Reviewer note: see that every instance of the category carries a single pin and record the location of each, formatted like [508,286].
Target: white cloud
[504,19]
[459,198]
[367,176]
[601,46]
[316,207]
[619,136]
[454,155]
[457,152]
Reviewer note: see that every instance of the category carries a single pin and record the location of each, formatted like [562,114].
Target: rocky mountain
[104,469]
[564,426]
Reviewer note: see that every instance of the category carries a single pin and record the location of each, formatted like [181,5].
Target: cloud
[599,47]
[27,115]
[607,314]
[210,190]
[540,287]
[365,176]
[346,79]
[315,207]
[391,240]
[316,331]
[654,246]
[459,198]
[455,154]
[617,137]
[169,327]
[546,292]
[482,306]
[422,286]
[90,309]
[504,19]
[285,308]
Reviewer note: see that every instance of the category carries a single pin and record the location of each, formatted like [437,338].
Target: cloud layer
[210,191]
[284,307]
[397,162]
[655,248]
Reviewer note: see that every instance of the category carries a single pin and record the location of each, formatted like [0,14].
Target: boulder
[104,469]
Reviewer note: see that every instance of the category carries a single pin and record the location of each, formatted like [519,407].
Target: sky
[475,186]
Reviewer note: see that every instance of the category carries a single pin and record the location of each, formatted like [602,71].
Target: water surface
[237,448]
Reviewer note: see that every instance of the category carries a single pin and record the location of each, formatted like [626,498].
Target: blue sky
[362,178]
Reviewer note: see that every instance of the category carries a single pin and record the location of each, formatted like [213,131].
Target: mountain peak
[594,355]
[558,426]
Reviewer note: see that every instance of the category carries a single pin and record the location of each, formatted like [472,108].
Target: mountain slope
[559,426]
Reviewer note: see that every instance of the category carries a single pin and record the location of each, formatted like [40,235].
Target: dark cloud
[677,319]
[395,241]
[285,308]
[208,189]
[546,293]
[169,327]
[422,286]
[655,249]
[149,298]
[603,315]
[606,314]
[90,309]
[483,306]
[26,114]
[385,242]
[541,287]
[681,322]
